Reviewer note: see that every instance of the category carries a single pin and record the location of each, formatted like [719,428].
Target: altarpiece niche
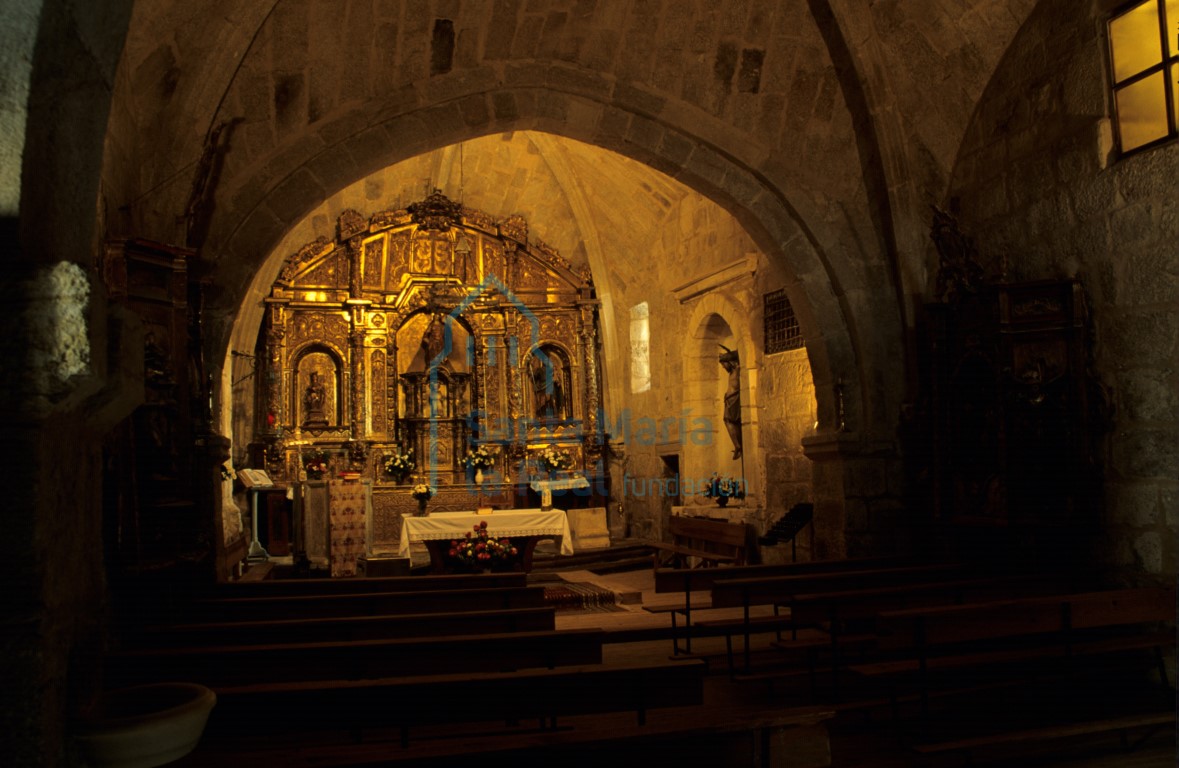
[429,332]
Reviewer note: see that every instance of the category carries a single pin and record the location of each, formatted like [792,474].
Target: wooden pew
[321,586]
[374,604]
[779,590]
[219,666]
[712,542]
[346,628]
[689,580]
[1037,636]
[849,616]
[756,734]
[542,694]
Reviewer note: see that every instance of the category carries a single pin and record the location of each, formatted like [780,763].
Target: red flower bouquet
[478,550]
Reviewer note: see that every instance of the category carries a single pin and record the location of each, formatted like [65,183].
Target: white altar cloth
[440,526]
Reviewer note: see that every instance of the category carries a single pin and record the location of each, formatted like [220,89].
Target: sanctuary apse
[428,332]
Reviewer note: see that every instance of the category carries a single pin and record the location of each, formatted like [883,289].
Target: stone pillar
[857,495]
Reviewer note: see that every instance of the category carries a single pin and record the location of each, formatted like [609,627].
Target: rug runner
[580,596]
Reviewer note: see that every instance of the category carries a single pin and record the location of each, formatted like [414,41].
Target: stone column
[859,510]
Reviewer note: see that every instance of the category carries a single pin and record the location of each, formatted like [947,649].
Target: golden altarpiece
[430,331]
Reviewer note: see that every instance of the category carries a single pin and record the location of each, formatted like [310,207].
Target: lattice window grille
[781,326]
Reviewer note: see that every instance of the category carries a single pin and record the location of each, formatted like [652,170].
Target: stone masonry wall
[1045,194]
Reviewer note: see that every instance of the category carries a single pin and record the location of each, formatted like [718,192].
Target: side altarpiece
[430,332]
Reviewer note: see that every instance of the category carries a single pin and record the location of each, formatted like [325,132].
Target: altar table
[524,527]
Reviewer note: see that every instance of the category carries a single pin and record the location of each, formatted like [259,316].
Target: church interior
[877,300]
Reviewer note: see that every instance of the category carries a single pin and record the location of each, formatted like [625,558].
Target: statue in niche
[433,340]
[314,399]
[730,361]
[548,396]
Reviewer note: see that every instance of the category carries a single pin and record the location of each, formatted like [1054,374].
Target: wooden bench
[779,590]
[952,646]
[230,665]
[711,542]
[346,628]
[541,694]
[371,604]
[320,586]
[848,616]
[597,732]
[689,580]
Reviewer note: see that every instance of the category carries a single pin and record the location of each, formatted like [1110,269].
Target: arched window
[640,348]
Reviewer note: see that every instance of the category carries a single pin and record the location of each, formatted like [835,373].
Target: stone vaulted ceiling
[826,127]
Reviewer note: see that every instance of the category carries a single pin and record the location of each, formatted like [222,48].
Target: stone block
[1142,339]
[1170,502]
[856,515]
[1149,274]
[1131,223]
[1148,550]
[779,468]
[1147,454]
[866,478]
[589,528]
[1136,505]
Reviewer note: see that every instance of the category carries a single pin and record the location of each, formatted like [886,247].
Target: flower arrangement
[482,457]
[478,549]
[398,465]
[422,492]
[316,464]
[552,459]
[724,488]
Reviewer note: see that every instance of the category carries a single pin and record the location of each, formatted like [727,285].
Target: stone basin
[145,725]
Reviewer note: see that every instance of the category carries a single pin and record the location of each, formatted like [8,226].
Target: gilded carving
[377,369]
[423,253]
[386,219]
[548,254]
[589,343]
[386,523]
[317,248]
[478,219]
[398,258]
[350,224]
[494,262]
[358,322]
[359,384]
[373,263]
[329,272]
[533,276]
[554,327]
[437,212]
[319,326]
[516,228]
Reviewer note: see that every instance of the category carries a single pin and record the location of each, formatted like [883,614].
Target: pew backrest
[409,701]
[1061,615]
[347,628]
[865,604]
[357,660]
[779,589]
[371,604]
[692,579]
[325,586]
